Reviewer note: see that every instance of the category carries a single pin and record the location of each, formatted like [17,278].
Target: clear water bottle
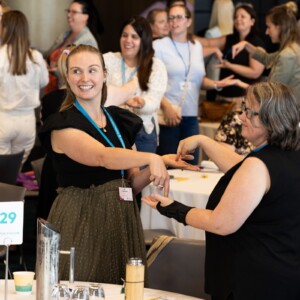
[135,274]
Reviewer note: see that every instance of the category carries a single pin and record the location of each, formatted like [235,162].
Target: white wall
[46,18]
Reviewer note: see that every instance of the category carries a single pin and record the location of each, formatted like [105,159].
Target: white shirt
[22,92]
[156,86]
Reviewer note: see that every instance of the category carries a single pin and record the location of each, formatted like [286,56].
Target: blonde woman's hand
[158,173]
[171,160]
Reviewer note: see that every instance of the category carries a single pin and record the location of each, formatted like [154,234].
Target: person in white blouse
[23,72]
[137,59]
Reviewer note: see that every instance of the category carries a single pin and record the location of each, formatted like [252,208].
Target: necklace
[101,123]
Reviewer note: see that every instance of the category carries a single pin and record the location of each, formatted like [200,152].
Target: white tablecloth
[112,292]
[190,188]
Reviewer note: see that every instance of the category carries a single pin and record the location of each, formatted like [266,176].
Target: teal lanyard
[114,125]
[123,72]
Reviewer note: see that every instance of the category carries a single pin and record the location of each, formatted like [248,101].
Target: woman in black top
[98,174]
[243,67]
[252,217]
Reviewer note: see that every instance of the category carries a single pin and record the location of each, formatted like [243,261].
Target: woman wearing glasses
[183,58]
[284,64]
[252,216]
[83,30]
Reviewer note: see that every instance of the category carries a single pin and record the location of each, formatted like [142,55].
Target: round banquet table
[112,292]
[188,187]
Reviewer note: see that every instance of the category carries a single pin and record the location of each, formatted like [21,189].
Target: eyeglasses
[177,17]
[74,12]
[249,113]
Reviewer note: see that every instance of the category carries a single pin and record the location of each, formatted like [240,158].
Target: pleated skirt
[104,230]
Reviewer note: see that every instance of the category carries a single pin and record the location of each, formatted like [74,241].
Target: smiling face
[75,17]
[130,43]
[85,75]
[253,129]
[160,26]
[273,31]
[243,21]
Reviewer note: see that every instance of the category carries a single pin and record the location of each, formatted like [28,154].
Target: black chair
[37,166]
[179,267]
[10,165]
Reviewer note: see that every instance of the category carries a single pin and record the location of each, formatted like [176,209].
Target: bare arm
[218,42]
[118,95]
[241,197]
[90,152]
[244,192]
[207,51]
[222,156]
[253,71]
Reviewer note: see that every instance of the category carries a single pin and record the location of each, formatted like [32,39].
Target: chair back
[179,268]
[9,192]
[10,165]
[37,166]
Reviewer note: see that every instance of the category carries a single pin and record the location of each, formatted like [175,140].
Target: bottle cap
[135,261]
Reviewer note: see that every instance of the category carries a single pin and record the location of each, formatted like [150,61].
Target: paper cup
[23,282]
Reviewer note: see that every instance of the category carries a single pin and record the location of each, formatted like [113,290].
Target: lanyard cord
[114,125]
[123,72]
[187,68]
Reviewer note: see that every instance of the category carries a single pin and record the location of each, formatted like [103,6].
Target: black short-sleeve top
[241,59]
[72,173]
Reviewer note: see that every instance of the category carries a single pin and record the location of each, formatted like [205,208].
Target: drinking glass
[60,292]
[96,292]
[81,292]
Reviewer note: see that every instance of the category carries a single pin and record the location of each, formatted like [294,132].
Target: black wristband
[176,210]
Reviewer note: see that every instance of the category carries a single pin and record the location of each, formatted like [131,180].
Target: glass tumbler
[60,292]
[81,292]
[96,292]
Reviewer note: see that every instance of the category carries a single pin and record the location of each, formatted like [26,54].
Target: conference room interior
[49,17]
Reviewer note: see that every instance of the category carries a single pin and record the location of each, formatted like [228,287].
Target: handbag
[215,111]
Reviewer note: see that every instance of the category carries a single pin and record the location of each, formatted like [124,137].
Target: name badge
[125,194]
[185,85]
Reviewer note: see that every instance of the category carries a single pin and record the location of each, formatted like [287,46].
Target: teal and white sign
[11,222]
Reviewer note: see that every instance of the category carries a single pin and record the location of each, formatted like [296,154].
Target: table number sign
[11,222]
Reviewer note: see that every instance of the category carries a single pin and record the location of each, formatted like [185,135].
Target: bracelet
[216,87]
[176,210]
